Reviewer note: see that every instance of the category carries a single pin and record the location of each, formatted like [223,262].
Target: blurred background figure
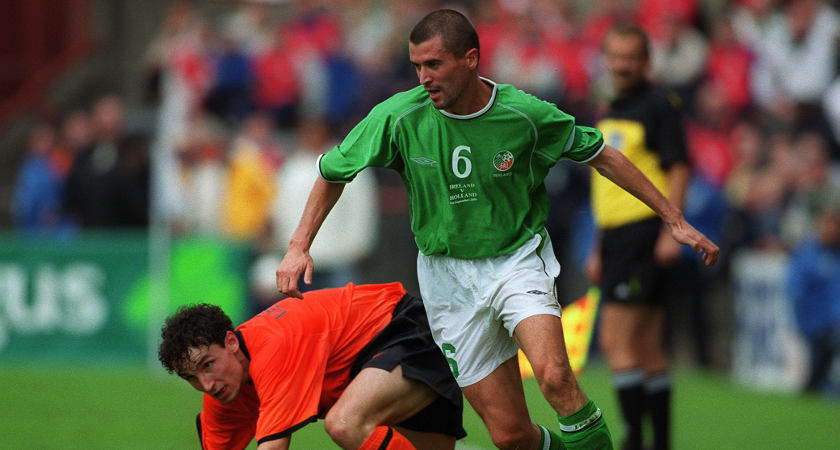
[202,163]
[38,190]
[255,156]
[108,183]
[814,288]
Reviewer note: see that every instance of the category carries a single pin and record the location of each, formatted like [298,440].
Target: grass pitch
[108,407]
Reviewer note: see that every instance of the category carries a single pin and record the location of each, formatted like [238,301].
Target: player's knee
[555,379]
[510,439]
[344,430]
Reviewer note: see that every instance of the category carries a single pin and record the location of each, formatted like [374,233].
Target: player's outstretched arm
[297,260]
[613,165]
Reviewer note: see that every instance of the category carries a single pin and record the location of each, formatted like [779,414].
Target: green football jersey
[475,183]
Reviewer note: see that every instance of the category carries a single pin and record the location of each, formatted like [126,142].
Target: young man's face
[444,75]
[626,60]
[216,370]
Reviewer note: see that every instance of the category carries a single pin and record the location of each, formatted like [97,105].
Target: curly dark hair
[191,326]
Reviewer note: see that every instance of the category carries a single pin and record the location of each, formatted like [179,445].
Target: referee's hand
[294,264]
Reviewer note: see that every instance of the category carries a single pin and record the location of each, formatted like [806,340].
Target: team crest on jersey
[503,161]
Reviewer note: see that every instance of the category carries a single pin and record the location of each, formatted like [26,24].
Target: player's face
[216,370]
[444,75]
[626,60]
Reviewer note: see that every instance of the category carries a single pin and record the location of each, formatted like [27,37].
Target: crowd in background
[247,101]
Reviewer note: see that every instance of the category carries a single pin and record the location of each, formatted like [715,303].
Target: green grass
[118,407]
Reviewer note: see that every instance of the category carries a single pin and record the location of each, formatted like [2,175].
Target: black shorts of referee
[629,273]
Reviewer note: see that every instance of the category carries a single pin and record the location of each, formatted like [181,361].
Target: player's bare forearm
[614,166]
[617,168]
[297,261]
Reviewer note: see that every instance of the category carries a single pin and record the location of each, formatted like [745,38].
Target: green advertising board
[88,298]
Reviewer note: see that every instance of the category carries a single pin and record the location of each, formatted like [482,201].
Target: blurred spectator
[759,189]
[679,56]
[229,96]
[201,177]
[523,60]
[349,233]
[728,66]
[814,289]
[249,190]
[277,84]
[108,184]
[36,204]
[795,62]
[249,27]
[815,177]
[76,135]
[657,16]
[709,134]
[752,21]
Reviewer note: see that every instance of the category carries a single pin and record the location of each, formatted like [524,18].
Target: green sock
[550,440]
[585,429]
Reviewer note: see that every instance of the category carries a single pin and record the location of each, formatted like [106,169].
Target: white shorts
[474,305]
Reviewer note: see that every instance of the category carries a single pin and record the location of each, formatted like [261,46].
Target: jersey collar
[479,112]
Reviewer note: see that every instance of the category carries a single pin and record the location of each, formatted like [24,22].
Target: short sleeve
[670,137]
[230,426]
[289,375]
[558,136]
[586,143]
[369,144]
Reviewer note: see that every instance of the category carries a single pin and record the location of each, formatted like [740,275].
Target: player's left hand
[686,234]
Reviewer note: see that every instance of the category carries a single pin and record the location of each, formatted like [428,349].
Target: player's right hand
[295,263]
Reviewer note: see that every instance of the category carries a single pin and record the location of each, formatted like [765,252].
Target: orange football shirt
[300,352]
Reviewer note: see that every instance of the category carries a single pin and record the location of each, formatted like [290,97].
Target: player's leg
[499,400]
[620,343]
[378,397]
[657,384]
[541,339]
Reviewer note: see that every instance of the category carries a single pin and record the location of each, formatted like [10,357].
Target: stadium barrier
[88,298]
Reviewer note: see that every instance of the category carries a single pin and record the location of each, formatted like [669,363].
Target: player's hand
[295,263]
[686,234]
[666,251]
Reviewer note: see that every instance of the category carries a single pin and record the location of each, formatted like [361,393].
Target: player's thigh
[499,399]
[379,397]
[428,441]
[621,324]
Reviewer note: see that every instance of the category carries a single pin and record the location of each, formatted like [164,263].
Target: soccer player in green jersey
[473,155]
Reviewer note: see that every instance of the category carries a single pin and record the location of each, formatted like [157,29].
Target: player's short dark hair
[191,326]
[625,30]
[456,32]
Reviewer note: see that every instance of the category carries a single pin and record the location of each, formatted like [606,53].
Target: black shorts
[407,342]
[629,273]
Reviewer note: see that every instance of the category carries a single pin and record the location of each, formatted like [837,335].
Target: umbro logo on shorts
[536,292]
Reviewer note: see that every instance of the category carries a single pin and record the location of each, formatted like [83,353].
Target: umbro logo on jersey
[503,161]
[424,161]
